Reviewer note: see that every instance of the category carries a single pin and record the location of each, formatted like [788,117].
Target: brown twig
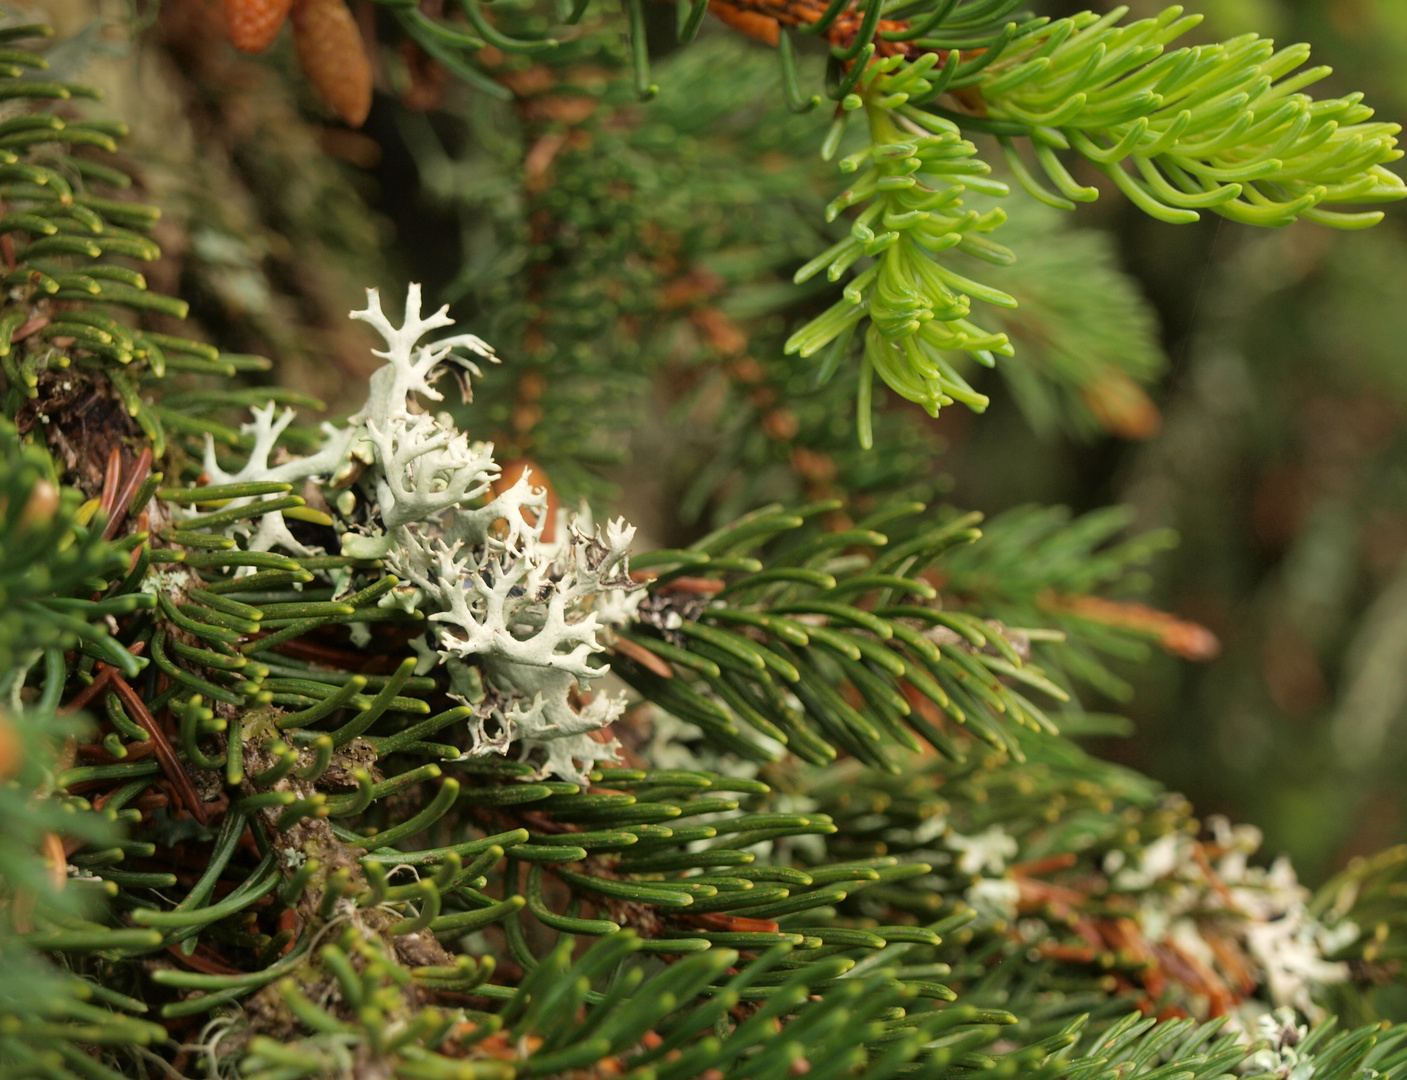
[204,960]
[89,692]
[112,479]
[642,656]
[99,683]
[33,326]
[128,493]
[703,586]
[96,752]
[716,920]
[165,752]
[323,654]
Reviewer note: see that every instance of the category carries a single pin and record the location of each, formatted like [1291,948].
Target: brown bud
[11,749]
[1121,406]
[813,465]
[720,331]
[39,509]
[332,56]
[781,424]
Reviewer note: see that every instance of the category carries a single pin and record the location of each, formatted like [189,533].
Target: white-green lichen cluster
[409,487]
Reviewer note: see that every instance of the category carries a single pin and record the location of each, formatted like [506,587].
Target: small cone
[253,24]
[1121,406]
[331,54]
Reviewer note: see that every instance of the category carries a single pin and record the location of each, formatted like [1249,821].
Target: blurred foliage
[1282,464]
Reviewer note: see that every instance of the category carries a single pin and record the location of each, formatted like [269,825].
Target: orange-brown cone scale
[253,24]
[333,59]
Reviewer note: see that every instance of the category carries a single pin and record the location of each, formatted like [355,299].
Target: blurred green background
[1282,462]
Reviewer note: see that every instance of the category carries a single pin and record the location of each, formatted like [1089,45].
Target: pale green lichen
[530,614]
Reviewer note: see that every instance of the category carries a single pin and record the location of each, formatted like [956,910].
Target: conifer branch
[1217,127]
[289,829]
